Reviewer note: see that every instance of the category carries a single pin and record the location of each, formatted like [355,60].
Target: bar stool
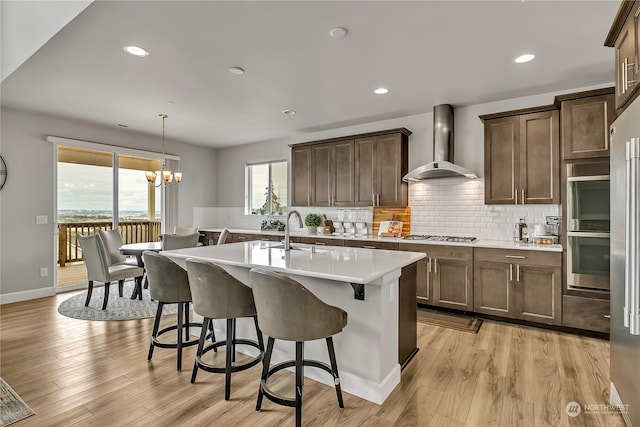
[288,311]
[169,284]
[219,295]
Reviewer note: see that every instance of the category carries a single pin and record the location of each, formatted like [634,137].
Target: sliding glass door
[102,190]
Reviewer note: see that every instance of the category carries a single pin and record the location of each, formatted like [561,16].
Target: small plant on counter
[312,220]
[272,224]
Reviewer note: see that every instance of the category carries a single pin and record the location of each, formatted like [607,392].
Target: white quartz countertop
[481,243]
[344,264]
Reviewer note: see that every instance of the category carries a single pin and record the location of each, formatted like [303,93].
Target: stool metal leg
[203,336]
[266,361]
[156,326]
[259,333]
[334,368]
[230,355]
[180,325]
[299,381]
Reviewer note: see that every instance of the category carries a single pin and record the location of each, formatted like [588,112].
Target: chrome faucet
[287,241]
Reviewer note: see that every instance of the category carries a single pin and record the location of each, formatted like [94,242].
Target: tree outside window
[267,188]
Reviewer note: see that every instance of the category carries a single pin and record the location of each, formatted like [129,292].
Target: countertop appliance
[625,263]
[456,239]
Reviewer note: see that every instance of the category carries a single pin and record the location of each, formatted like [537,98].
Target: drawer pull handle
[607,316]
[369,247]
[515,256]
[319,243]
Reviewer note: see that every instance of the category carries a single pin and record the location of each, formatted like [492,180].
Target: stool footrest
[235,368]
[284,365]
[157,343]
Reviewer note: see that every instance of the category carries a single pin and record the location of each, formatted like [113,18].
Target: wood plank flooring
[83,373]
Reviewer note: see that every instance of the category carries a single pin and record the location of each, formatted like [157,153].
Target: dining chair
[223,236]
[175,241]
[99,268]
[112,241]
[184,230]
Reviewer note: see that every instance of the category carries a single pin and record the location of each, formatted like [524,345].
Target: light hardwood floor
[83,373]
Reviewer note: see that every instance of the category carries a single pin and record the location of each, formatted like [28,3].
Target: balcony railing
[132,232]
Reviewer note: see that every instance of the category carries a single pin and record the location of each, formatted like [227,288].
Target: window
[266,190]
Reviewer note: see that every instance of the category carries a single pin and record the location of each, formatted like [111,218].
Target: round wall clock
[3,172]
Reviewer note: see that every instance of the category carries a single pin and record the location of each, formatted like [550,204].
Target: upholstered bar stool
[219,295]
[289,311]
[169,284]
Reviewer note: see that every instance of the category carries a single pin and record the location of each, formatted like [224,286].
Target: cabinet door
[585,126]
[539,158]
[322,161]
[492,291]
[625,57]
[538,293]
[343,173]
[423,281]
[453,283]
[389,188]
[501,160]
[301,176]
[364,153]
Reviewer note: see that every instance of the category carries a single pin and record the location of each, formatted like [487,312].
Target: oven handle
[588,234]
[588,178]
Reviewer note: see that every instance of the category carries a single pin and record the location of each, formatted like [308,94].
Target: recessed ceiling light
[381,91]
[524,58]
[338,32]
[238,71]
[136,51]
[288,112]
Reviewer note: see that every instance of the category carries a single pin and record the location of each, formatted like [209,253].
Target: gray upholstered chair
[112,241]
[290,312]
[100,269]
[176,241]
[184,230]
[219,295]
[222,238]
[169,284]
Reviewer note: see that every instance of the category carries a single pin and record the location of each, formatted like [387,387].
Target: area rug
[118,308]
[459,322]
[12,408]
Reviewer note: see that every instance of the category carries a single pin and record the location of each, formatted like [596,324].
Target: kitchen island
[363,282]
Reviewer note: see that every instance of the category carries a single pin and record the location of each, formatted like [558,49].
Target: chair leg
[138,286]
[145,280]
[230,353]
[299,376]
[187,331]
[89,292]
[120,287]
[259,334]
[203,336]
[179,342]
[266,361]
[156,326]
[106,295]
[334,368]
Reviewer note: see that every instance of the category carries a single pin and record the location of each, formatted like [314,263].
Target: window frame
[249,184]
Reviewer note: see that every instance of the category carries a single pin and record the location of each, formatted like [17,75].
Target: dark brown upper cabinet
[521,157]
[585,118]
[624,37]
[355,170]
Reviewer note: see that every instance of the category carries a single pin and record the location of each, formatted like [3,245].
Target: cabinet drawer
[551,259]
[321,241]
[585,313]
[392,246]
[241,237]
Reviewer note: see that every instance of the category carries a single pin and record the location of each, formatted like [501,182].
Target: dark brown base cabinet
[524,285]
[590,314]
[445,277]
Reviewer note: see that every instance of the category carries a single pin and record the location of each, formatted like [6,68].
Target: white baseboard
[27,295]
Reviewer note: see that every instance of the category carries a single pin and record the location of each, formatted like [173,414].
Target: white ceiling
[425,52]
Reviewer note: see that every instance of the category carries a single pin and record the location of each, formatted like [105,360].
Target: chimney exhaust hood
[443,141]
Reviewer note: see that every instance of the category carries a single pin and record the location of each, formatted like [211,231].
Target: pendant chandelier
[167,175]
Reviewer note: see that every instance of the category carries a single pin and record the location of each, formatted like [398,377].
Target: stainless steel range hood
[443,144]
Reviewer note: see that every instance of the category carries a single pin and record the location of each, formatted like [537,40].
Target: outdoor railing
[132,232]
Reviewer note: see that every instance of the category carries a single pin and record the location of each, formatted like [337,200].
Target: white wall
[25,246]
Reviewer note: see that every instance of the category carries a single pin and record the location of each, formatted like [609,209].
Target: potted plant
[312,221]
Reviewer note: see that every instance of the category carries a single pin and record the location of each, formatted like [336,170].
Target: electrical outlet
[44,272]
[41,219]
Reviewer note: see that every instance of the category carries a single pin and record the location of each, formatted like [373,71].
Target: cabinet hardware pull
[522,198]
[373,198]
[429,264]
[517,272]
[511,272]
[369,247]
[435,265]
[515,195]
[319,243]
[629,64]
[378,199]
[515,256]
[607,316]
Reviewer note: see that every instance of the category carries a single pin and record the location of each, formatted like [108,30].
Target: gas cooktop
[456,239]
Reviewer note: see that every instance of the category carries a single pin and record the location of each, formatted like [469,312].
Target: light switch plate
[44,272]
[42,219]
